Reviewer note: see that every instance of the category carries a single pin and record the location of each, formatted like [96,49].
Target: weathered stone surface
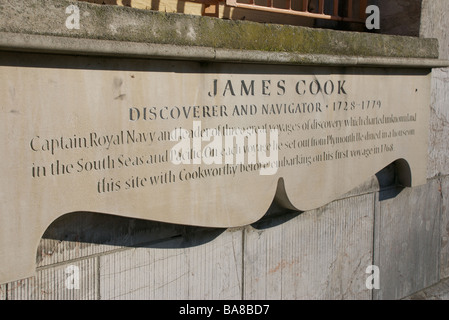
[439,124]
[434,19]
[444,255]
[286,260]
[114,162]
[407,240]
[320,254]
[175,269]
[439,291]
[3,290]
[55,283]
[128,24]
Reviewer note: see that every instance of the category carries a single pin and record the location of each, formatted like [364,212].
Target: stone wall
[319,254]
[433,21]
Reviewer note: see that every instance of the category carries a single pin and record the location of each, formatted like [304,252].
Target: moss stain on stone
[138,25]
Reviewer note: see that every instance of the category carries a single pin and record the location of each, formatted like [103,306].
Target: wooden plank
[285,11]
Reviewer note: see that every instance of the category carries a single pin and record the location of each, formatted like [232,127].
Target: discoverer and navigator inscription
[196,144]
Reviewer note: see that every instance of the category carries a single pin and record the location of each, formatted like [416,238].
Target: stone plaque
[203,144]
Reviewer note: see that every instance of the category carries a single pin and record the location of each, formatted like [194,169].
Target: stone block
[179,268]
[439,124]
[407,240]
[129,24]
[434,19]
[444,254]
[3,290]
[59,283]
[319,254]
[434,16]
[440,291]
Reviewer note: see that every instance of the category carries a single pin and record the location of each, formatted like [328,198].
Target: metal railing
[337,10]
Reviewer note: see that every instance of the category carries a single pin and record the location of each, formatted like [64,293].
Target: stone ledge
[91,47]
[102,22]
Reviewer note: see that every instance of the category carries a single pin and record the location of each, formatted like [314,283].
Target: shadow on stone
[275,216]
[105,229]
[281,210]
[393,179]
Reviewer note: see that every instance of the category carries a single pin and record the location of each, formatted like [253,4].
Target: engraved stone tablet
[193,143]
